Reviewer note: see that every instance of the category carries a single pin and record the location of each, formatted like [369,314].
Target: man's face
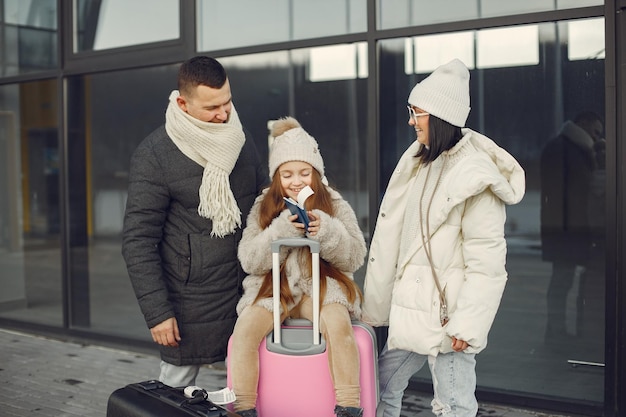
[594,128]
[212,105]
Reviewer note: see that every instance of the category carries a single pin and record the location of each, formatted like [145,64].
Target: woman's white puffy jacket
[468,250]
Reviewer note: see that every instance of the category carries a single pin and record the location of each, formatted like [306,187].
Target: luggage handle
[315,255]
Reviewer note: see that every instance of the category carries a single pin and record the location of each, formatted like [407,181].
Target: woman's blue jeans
[453,375]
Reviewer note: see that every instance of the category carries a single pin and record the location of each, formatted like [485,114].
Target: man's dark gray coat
[176,268]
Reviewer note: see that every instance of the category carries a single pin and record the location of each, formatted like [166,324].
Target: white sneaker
[221,397]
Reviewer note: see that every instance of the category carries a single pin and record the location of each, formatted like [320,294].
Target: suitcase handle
[315,254]
[296,242]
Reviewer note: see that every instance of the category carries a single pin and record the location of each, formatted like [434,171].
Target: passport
[297,207]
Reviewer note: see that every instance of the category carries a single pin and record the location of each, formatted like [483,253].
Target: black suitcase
[155,399]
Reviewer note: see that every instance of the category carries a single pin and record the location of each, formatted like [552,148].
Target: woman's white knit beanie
[445,93]
[293,143]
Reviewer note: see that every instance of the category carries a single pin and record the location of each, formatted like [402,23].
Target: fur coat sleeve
[341,244]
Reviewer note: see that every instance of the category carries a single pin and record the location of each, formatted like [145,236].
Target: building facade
[82,82]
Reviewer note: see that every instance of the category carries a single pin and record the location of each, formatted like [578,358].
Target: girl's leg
[454,384]
[343,354]
[395,369]
[252,326]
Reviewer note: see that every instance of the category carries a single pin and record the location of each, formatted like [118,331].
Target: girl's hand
[294,221]
[314,223]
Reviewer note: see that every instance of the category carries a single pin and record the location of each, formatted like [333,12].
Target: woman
[295,162]
[436,269]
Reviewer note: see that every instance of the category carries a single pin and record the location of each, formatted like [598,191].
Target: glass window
[491,8]
[586,39]
[117,23]
[28,36]
[272,21]
[487,48]
[105,125]
[507,47]
[30,251]
[338,62]
[331,108]
[425,53]
[403,13]
[548,337]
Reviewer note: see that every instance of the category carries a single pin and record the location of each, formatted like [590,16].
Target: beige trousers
[256,322]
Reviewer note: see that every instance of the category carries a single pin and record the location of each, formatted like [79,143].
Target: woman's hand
[459,345]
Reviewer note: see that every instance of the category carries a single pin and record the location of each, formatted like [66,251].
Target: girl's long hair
[441,137]
[271,206]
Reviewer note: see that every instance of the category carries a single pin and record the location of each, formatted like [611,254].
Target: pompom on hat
[445,93]
[293,143]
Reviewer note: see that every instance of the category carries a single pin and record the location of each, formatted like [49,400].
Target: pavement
[41,376]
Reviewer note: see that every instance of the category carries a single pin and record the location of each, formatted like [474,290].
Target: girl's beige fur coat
[341,244]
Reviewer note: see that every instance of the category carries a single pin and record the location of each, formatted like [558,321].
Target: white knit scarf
[216,147]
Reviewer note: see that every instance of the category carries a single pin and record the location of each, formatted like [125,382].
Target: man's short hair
[200,70]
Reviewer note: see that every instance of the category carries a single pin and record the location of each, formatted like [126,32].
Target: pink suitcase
[294,379]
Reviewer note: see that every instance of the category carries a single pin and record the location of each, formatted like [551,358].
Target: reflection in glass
[490,48]
[272,21]
[98,159]
[264,86]
[335,114]
[586,39]
[425,53]
[507,47]
[338,62]
[273,85]
[116,23]
[30,255]
[572,226]
[522,355]
[404,13]
[490,8]
[29,36]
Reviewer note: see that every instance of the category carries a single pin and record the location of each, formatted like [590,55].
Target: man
[192,183]
[568,164]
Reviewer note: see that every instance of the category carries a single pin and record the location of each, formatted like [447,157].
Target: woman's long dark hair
[271,206]
[441,137]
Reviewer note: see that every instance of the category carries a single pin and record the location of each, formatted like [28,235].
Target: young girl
[294,163]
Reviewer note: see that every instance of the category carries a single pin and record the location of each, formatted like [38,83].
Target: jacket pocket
[175,260]
[211,255]
[416,289]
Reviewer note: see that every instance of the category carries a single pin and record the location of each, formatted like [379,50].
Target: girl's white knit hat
[292,143]
[445,93]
